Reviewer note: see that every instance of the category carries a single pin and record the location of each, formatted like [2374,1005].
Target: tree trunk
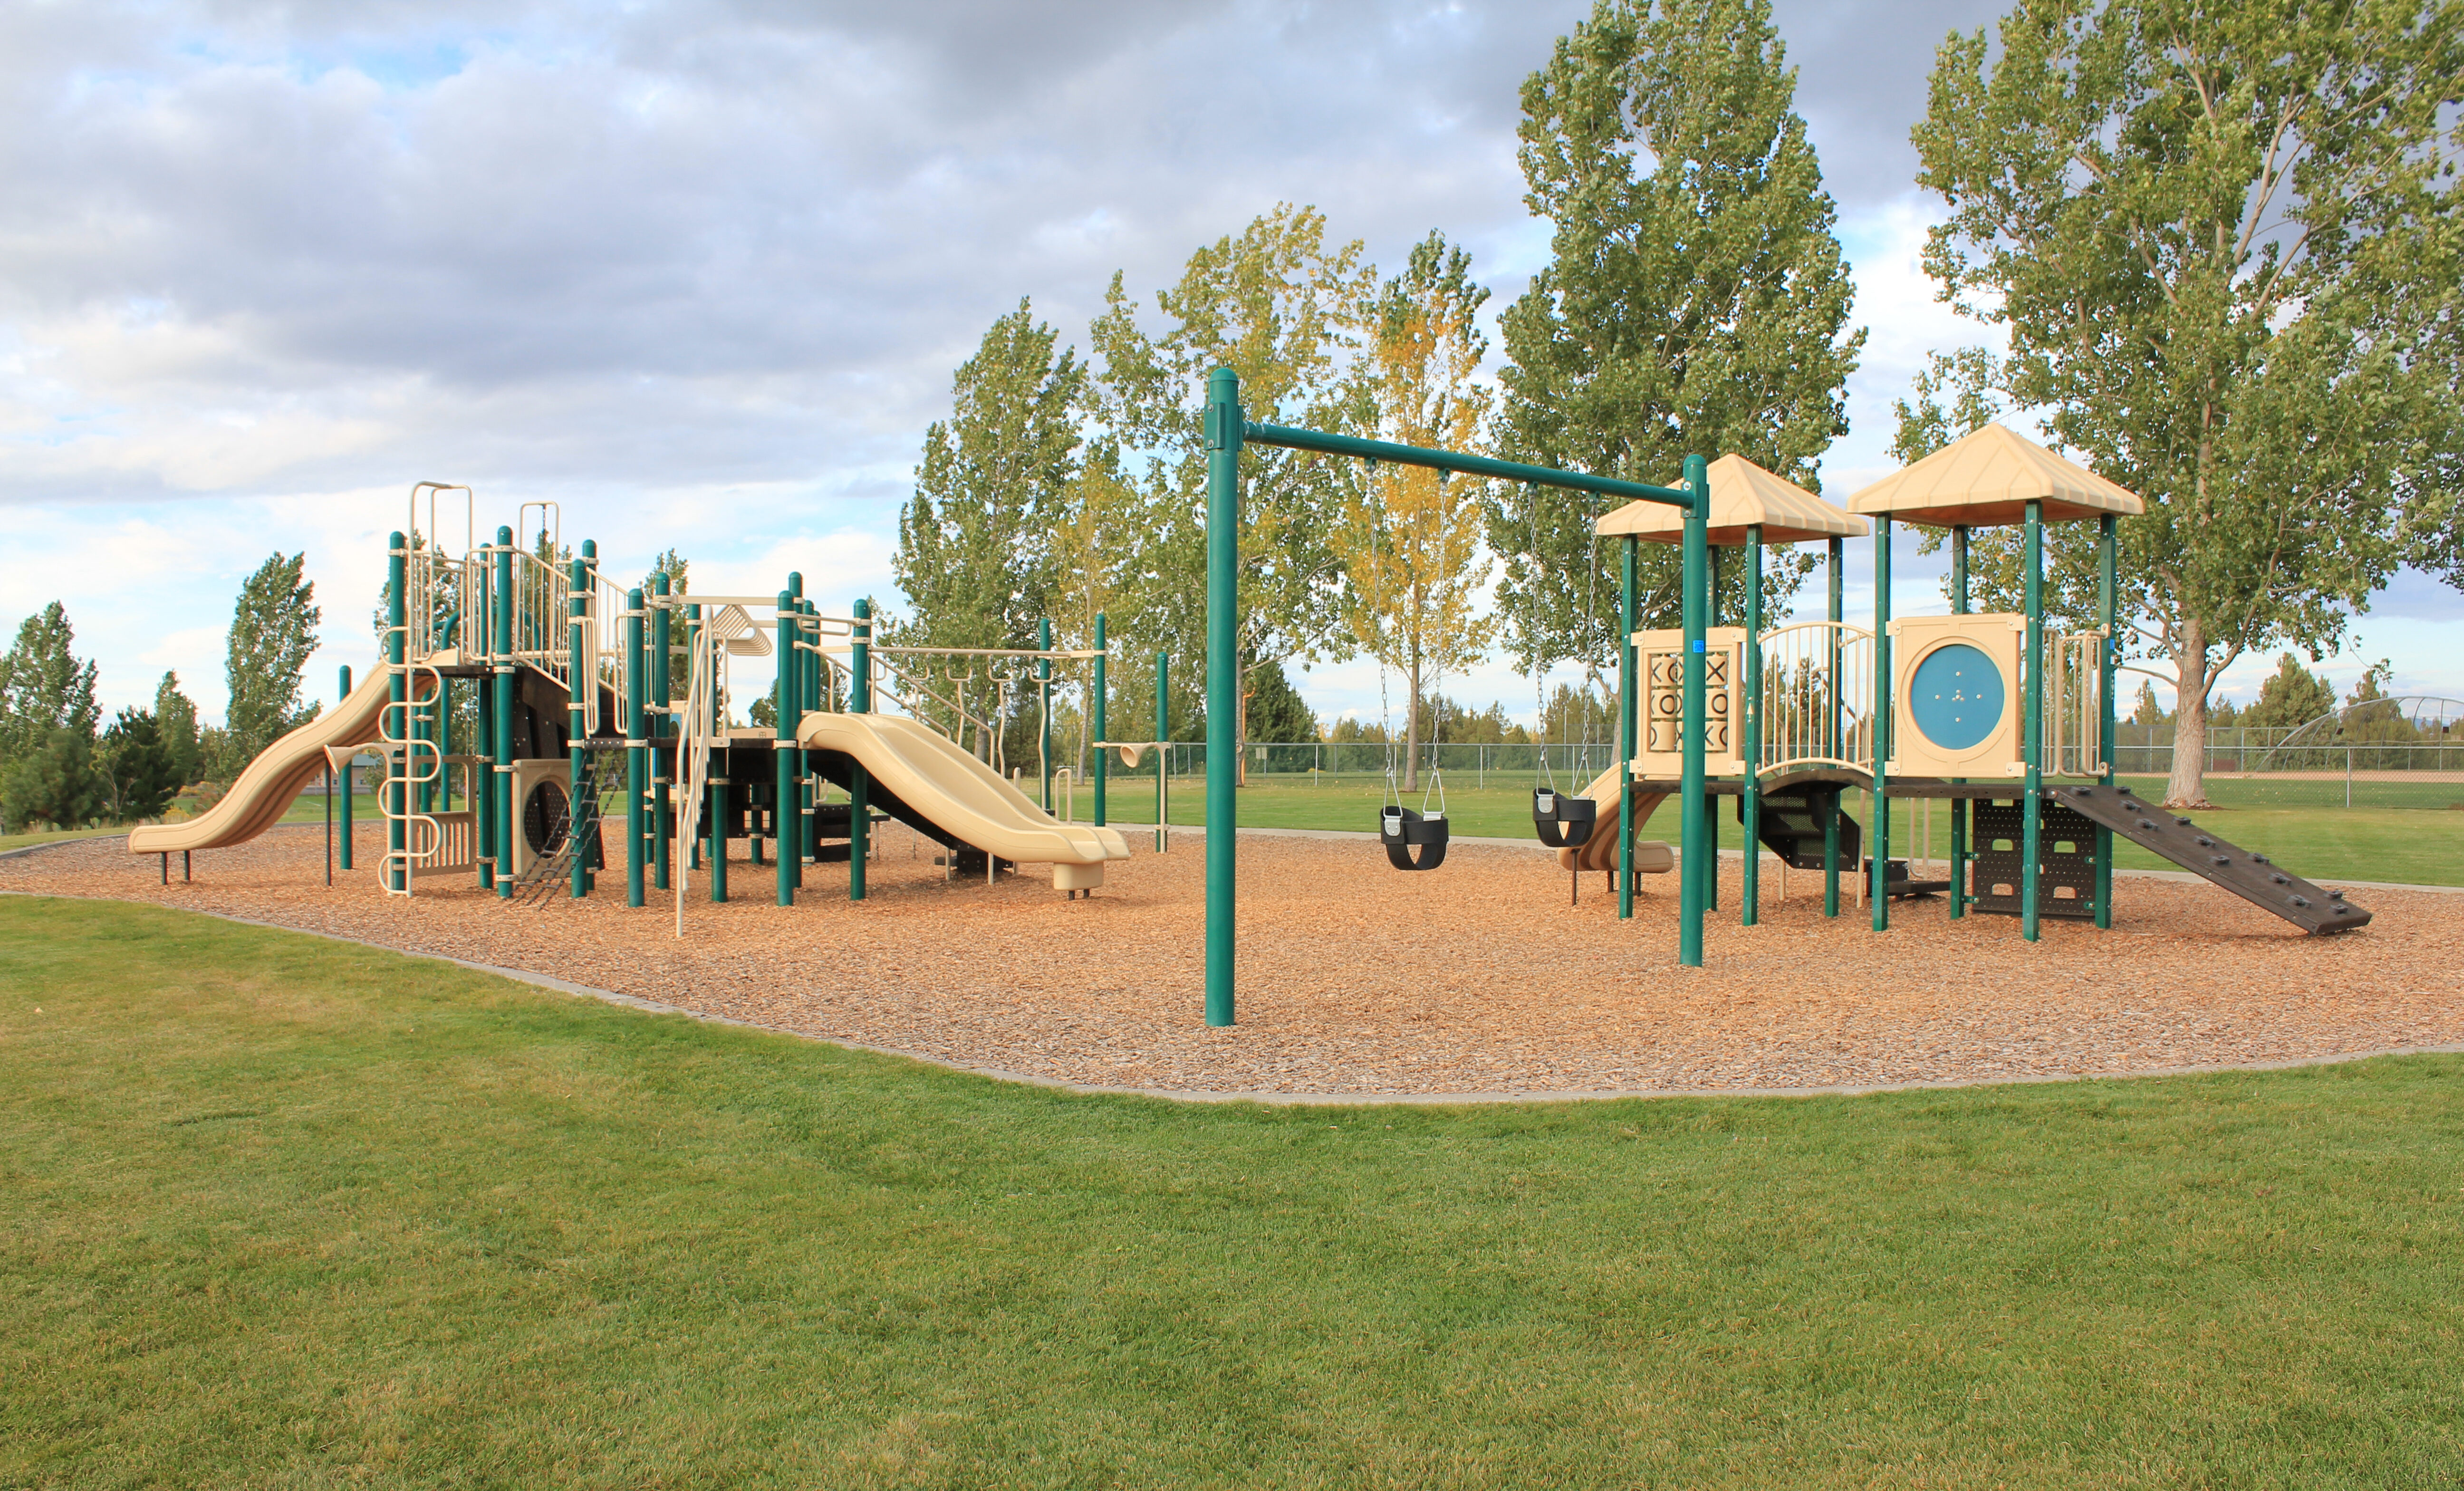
[1411,729]
[2188,785]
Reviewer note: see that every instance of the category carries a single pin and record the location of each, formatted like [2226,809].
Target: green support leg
[1697,851]
[1163,753]
[1958,806]
[1095,719]
[1877,880]
[577,719]
[2108,657]
[662,729]
[1222,684]
[1838,737]
[2033,805]
[783,753]
[1629,740]
[1749,803]
[637,753]
[859,783]
[502,671]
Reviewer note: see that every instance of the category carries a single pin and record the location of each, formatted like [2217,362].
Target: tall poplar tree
[272,632]
[43,687]
[2223,236]
[1695,301]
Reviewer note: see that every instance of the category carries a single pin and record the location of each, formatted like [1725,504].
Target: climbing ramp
[2253,877]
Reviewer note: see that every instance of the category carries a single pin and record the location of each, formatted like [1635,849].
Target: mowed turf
[279,1212]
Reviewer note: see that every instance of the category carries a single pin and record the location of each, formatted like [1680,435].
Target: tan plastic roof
[1989,478]
[1742,494]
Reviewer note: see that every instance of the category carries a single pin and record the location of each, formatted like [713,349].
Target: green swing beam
[1227,431]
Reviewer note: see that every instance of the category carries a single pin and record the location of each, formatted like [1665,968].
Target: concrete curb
[1316,1099]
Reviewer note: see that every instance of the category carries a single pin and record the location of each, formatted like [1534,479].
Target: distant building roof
[1742,494]
[1989,477]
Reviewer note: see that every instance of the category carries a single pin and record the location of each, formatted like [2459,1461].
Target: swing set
[1409,840]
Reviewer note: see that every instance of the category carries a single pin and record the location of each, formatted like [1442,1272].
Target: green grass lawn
[2419,847]
[279,1212]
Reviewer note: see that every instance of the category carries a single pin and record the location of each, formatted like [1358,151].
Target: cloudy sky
[698,273]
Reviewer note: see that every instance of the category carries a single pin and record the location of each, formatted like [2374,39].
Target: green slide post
[502,741]
[1044,692]
[2108,655]
[783,752]
[2032,578]
[859,784]
[1878,881]
[1163,753]
[1224,434]
[397,711]
[661,729]
[795,807]
[1700,861]
[1628,736]
[576,713]
[637,750]
[1958,806]
[1096,718]
[1751,882]
[345,804]
[1838,737]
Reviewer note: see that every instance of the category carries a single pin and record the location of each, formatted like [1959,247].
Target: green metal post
[1095,719]
[783,752]
[501,740]
[576,718]
[1044,691]
[1629,740]
[1878,881]
[397,723]
[1751,799]
[1222,681]
[2108,652]
[637,751]
[345,804]
[859,784]
[1700,864]
[2032,807]
[795,810]
[1836,735]
[1960,808]
[717,850]
[1163,751]
[663,825]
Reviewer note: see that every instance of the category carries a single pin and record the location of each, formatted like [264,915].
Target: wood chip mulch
[1357,979]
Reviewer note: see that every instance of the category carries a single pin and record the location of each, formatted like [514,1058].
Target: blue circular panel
[1956,697]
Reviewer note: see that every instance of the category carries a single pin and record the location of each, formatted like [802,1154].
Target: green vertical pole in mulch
[662,729]
[859,783]
[1163,751]
[1877,880]
[1629,740]
[2032,806]
[577,603]
[782,752]
[397,725]
[346,779]
[1222,681]
[2108,653]
[1750,800]
[1044,693]
[1836,735]
[1958,806]
[501,740]
[1095,719]
[1699,864]
[637,753]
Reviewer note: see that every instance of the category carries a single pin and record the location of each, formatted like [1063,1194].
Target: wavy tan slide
[265,792]
[971,800]
[1599,851]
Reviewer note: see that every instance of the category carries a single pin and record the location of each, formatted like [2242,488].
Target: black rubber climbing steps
[2250,876]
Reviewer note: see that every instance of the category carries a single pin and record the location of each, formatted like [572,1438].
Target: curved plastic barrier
[1599,851]
[266,790]
[962,795]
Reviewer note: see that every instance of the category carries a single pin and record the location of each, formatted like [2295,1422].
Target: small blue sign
[1698,644]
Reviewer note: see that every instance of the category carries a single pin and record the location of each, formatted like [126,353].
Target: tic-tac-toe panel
[1955,688]
[1660,657]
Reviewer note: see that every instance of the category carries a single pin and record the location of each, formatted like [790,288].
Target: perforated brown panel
[2065,863]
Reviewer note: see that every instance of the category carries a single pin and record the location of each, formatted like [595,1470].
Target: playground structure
[570,684]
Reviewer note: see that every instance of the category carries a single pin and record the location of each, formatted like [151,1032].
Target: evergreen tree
[1695,302]
[272,632]
[2224,240]
[54,782]
[139,767]
[2293,695]
[175,717]
[43,687]
[1277,712]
